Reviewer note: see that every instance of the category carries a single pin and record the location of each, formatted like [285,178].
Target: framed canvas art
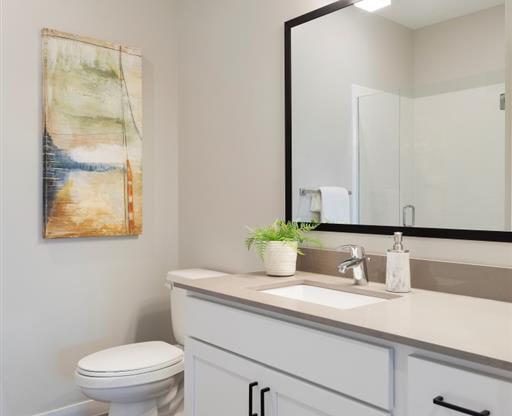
[92,137]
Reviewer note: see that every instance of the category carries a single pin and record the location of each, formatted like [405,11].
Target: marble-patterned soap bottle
[398,269]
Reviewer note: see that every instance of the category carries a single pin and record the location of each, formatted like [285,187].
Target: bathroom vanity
[262,346]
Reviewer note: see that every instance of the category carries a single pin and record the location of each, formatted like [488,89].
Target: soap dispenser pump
[398,269]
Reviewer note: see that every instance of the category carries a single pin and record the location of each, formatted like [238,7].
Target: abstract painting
[92,137]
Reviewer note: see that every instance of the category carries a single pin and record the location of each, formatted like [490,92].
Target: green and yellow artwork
[92,139]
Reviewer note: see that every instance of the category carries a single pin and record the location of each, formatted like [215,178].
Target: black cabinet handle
[251,387]
[262,400]
[439,400]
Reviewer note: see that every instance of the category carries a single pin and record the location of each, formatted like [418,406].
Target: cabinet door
[217,384]
[214,386]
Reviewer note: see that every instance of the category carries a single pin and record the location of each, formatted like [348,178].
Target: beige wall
[63,299]
[479,42]
[232,138]
[231,125]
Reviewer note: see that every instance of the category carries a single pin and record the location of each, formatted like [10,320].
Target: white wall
[232,138]
[64,299]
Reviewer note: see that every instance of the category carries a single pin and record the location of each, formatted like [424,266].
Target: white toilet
[142,379]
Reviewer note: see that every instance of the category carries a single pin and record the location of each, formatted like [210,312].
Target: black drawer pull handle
[251,387]
[439,400]
[262,400]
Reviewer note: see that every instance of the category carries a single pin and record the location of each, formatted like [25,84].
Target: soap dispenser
[398,269]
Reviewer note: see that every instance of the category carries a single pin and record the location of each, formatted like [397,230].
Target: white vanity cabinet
[304,371]
[219,383]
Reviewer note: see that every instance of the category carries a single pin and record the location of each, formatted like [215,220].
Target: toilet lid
[130,359]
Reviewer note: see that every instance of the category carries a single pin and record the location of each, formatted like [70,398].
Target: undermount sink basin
[322,296]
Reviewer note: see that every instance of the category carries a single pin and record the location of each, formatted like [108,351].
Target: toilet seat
[129,380]
[131,359]
[129,365]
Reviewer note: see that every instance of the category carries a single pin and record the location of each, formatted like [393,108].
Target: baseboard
[86,408]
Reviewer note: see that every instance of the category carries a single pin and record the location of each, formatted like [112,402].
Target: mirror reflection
[398,115]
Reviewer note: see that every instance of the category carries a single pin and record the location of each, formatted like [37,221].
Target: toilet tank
[177,296]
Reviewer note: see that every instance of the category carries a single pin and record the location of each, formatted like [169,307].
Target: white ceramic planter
[280,258]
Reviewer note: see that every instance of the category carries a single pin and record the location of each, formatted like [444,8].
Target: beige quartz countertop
[475,329]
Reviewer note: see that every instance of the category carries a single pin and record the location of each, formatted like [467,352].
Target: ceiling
[419,13]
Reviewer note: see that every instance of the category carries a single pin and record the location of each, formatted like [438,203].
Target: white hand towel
[316,202]
[335,205]
[303,213]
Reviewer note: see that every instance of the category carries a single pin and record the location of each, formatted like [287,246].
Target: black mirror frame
[446,233]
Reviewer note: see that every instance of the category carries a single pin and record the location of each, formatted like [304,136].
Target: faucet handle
[355,250]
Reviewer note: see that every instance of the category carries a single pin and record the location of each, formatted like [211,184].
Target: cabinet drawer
[460,387]
[357,369]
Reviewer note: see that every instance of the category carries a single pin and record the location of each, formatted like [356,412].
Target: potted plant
[279,244]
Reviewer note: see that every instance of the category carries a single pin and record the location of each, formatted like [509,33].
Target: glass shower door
[453,158]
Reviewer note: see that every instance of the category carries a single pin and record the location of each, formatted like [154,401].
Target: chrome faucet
[358,262]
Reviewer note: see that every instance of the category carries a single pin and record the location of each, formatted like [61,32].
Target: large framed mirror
[397,118]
